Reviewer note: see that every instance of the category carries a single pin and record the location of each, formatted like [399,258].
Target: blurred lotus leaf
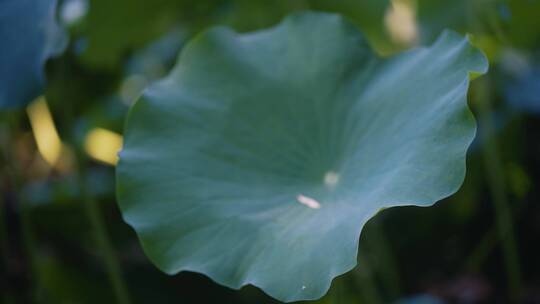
[120,26]
[523,92]
[513,22]
[117,27]
[524,22]
[261,156]
[29,35]
[436,15]
[246,15]
[367,14]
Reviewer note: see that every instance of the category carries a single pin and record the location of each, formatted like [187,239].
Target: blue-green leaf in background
[29,35]
[261,156]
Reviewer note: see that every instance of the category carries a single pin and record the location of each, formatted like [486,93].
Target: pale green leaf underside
[261,156]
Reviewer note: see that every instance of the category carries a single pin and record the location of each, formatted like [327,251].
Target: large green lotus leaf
[29,35]
[261,156]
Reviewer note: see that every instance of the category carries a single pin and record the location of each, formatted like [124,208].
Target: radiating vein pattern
[261,156]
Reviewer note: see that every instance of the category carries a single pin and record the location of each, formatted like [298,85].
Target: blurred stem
[367,286]
[101,237]
[482,250]
[337,292]
[495,176]
[387,271]
[3,231]
[6,297]
[494,23]
[94,215]
[29,242]
[387,266]
[14,182]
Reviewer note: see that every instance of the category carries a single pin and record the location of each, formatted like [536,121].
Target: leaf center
[331,179]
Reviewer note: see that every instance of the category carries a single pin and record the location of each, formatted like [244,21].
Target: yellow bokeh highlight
[103,145]
[400,22]
[48,142]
